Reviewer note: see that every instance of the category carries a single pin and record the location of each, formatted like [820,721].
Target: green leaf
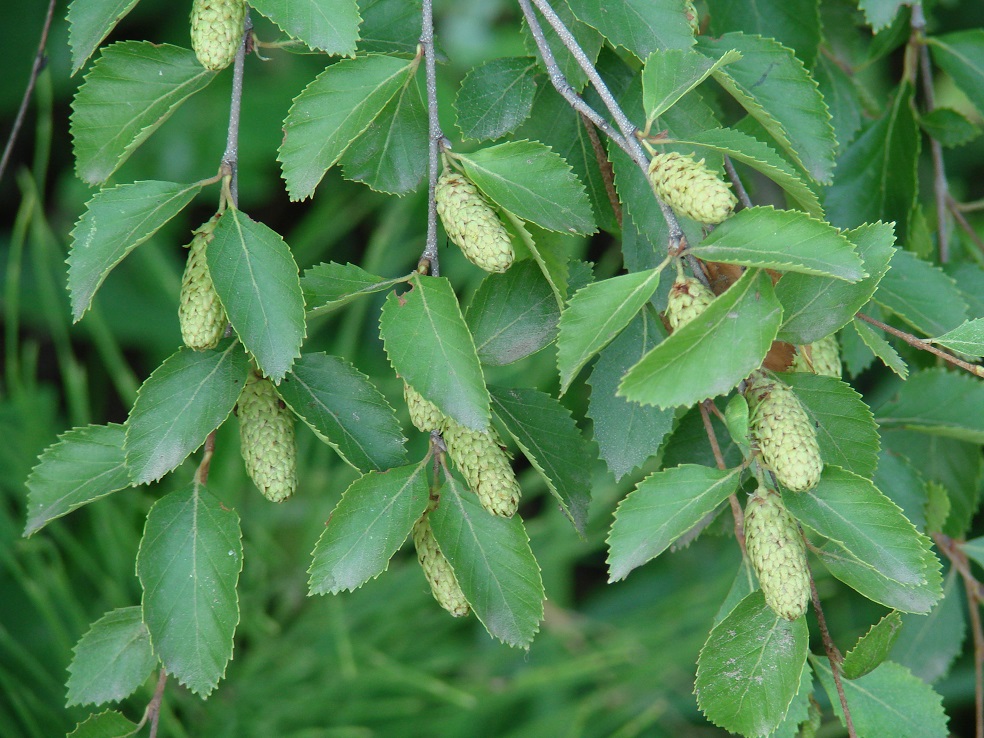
[512,315]
[549,251]
[84,465]
[749,669]
[876,175]
[115,222]
[493,563]
[391,156]
[108,724]
[331,26]
[89,24]
[641,26]
[846,430]
[841,95]
[873,647]
[626,433]
[760,157]
[949,127]
[744,584]
[390,26]
[782,239]
[188,564]
[532,182]
[111,660]
[333,111]
[880,347]
[777,90]
[329,286]
[256,279]
[345,410]
[898,479]
[961,55]
[922,295]
[661,508]
[595,315]
[551,441]
[429,345]
[186,398]
[974,549]
[880,13]
[955,465]
[133,87]
[793,23]
[496,97]
[888,701]
[693,363]
[870,528]
[370,523]
[814,307]
[929,644]
[967,338]
[939,402]
[800,709]
[669,74]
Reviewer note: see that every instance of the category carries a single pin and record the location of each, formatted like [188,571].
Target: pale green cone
[444,586]
[485,466]
[690,188]
[688,298]
[778,554]
[824,356]
[217,31]
[783,433]
[201,315]
[472,224]
[423,413]
[266,436]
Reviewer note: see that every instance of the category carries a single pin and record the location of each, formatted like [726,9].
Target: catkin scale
[690,188]
[266,436]
[217,31]
[472,224]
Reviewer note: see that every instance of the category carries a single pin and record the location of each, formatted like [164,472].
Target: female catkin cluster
[217,31]
[690,188]
[824,358]
[688,298]
[783,433]
[443,583]
[266,436]
[472,224]
[778,554]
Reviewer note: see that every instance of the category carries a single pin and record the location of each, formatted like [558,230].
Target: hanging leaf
[367,527]
[90,23]
[496,97]
[873,648]
[429,345]
[939,402]
[776,90]
[329,286]
[669,74]
[84,465]
[551,441]
[493,563]
[967,338]
[626,433]
[331,26]
[881,348]
[961,55]
[186,398]
[929,644]
[595,315]
[390,26]
[133,87]
[587,38]
[750,667]
[949,127]
[111,660]
[345,410]
[191,553]
[115,222]
[332,112]
[108,724]
[641,26]
[513,314]
[782,239]
[532,182]
[793,23]
[712,353]
[661,508]
[256,278]
[391,156]
[814,307]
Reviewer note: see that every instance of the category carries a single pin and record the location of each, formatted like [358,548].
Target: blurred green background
[614,660]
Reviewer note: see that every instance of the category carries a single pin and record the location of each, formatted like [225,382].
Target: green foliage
[850,228]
